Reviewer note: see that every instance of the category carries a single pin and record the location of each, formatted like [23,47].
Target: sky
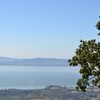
[46,28]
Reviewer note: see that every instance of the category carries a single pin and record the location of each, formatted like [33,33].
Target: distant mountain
[6,61]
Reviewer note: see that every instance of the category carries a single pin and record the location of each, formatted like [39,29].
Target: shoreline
[49,93]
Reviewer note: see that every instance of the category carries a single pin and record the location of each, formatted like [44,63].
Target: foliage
[88,57]
[98,26]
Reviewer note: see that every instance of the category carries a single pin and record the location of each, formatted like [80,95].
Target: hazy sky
[46,28]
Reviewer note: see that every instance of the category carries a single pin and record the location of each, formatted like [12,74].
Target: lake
[32,77]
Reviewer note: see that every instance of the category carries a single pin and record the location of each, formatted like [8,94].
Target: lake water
[28,77]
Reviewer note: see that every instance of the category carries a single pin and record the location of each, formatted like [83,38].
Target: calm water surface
[29,77]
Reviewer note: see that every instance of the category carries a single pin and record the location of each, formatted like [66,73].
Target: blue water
[28,77]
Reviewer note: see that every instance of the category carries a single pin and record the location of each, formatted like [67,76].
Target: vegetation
[12,98]
[88,57]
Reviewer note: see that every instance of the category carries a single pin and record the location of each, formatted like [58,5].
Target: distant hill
[6,61]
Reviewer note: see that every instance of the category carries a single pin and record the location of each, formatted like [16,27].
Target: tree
[88,57]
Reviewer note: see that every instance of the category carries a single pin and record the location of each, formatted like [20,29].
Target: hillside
[5,61]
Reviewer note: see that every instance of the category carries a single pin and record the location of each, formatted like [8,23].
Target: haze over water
[26,77]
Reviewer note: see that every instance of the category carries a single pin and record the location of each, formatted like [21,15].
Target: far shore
[49,93]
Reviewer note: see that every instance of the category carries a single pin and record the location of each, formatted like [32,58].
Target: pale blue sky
[46,28]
